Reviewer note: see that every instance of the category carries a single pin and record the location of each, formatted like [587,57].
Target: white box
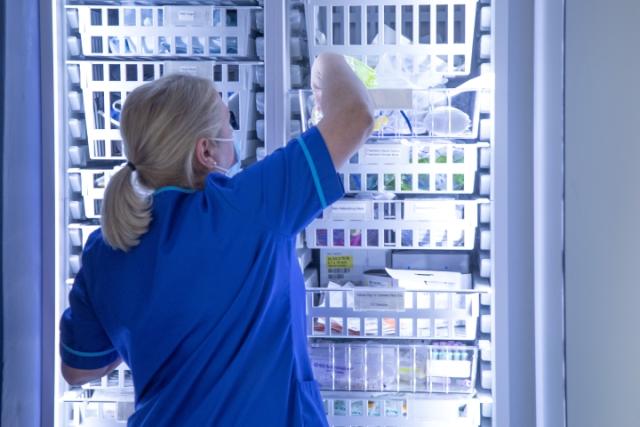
[344,265]
[421,260]
[378,279]
[429,280]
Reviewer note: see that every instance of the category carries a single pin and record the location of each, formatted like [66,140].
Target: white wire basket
[440,31]
[427,113]
[90,185]
[162,30]
[105,85]
[367,409]
[438,167]
[415,368]
[396,224]
[79,233]
[104,407]
[392,313]
[120,378]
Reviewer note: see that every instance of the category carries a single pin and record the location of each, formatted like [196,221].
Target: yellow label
[340,261]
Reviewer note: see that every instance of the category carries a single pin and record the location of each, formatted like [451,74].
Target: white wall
[602,185]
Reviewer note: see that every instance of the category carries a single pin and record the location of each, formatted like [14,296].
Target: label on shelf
[350,211]
[378,154]
[420,210]
[425,279]
[379,301]
[185,16]
[449,368]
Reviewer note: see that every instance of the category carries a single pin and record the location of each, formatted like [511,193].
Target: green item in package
[363,71]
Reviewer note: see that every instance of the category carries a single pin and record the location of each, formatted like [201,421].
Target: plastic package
[436,112]
[374,368]
[73,45]
[77,129]
[485,46]
[390,368]
[259,75]
[366,74]
[260,47]
[297,75]
[415,72]
[78,155]
[260,102]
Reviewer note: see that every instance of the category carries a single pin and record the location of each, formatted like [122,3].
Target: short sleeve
[290,187]
[83,342]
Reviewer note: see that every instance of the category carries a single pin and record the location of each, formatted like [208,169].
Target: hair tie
[131,166]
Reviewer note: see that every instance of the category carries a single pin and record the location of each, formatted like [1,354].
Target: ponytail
[126,212]
[160,123]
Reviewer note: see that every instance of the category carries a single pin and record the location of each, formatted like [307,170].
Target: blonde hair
[160,124]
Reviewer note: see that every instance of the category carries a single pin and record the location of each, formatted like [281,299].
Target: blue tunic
[208,310]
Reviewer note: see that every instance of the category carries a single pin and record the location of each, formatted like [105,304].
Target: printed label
[186,15]
[386,154]
[188,69]
[349,211]
[424,211]
[450,368]
[378,282]
[340,261]
[379,301]
[425,279]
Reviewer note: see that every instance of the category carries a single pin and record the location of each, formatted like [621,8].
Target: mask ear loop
[235,154]
[221,169]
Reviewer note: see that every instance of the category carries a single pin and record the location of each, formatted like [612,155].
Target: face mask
[235,167]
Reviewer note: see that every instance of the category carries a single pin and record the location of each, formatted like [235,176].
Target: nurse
[192,279]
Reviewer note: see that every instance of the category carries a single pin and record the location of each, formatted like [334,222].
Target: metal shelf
[219,59]
[218,3]
[115,395]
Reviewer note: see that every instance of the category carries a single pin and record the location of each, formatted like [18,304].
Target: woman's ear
[205,155]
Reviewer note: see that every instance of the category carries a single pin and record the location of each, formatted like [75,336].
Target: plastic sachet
[390,368]
[405,369]
[366,74]
[337,299]
[374,368]
[397,71]
[433,112]
[322,366]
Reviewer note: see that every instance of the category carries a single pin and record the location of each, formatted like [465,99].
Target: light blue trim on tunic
[314,172]
[87,354]
[173,188]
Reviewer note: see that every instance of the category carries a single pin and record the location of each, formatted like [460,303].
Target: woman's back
[198,289]
[202,308]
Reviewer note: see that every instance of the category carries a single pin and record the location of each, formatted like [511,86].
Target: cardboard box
[420,260]
[427,280]
[378,278]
